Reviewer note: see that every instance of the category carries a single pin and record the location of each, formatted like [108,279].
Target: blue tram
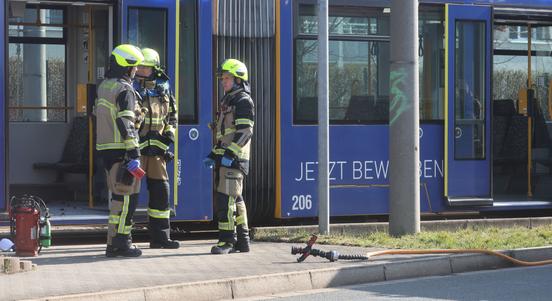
[485,101]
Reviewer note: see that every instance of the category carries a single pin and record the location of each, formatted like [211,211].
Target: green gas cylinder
[45,232]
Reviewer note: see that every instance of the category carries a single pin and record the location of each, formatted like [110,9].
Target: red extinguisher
[27,215]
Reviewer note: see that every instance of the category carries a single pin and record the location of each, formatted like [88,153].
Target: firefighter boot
[222,248]
[110,251]
[121,247]
[164,242]
[130,252]
[242,243]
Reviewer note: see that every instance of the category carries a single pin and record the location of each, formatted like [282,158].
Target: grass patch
[491,238]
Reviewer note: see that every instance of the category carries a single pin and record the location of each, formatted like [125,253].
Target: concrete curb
[442,225]
[249,286]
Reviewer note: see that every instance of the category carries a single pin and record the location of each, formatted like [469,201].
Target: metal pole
[323,123]
[404,149]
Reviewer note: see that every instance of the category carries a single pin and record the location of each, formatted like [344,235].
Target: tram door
[152,24]
[158,25]
[467,106]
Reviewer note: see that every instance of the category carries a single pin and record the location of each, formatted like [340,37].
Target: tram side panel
[359,170]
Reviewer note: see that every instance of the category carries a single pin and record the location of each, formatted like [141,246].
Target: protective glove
[133,165]
[169,156]
[209,163]
[226,161]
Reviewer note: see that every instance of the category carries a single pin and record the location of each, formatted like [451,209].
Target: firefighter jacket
[160,120]
[117,111]
[233,129]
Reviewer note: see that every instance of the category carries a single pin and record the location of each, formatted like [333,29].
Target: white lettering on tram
[382,169]
[369,170]
[430,169]
[364,170]
[307,171]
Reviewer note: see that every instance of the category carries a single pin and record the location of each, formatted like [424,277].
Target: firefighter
[233,129]
[118,114]
[156,135]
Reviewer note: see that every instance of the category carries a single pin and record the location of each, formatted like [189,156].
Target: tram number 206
[301,202]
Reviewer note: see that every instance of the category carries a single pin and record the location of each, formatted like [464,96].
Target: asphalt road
[528,283]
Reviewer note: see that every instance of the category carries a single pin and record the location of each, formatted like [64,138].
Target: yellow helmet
[127,55]
[151,58]
[234,67]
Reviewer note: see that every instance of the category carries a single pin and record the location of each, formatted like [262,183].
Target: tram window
[541,69]
[28,25]
[358,89]
[358,66]
[509,75]
[36,64]
[469,96]
[25,97]
[141,32]
[431,63]
[48,15]
[509,37]
[187,102]
[509,61]
[510,64]
[518,33]
[345,21]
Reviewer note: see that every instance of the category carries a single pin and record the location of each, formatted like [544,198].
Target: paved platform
[83,272]
[84,269]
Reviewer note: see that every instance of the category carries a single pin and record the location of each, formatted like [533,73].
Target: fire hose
[335,255]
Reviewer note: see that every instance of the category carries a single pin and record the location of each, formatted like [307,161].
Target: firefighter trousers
[230,206]
[159,192]
[124,200]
